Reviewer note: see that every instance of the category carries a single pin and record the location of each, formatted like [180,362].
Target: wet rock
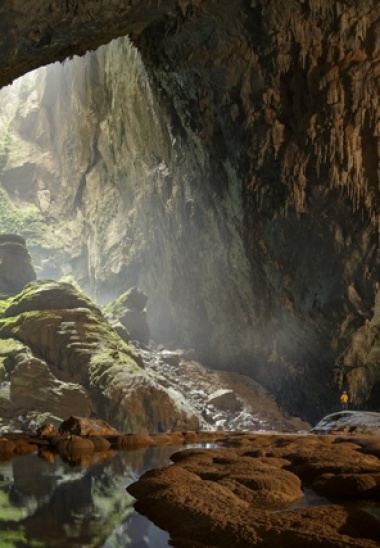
[222,497]
[348,486]
[7,447]
[47,430]
[75,445]
[100,444]
[81,426]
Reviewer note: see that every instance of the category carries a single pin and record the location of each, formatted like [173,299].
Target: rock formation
[129,310]
[16,269]
[237,185]
[60,356]
[348,422]
[250,493]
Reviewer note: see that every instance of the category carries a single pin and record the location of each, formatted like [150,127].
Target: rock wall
[238,186]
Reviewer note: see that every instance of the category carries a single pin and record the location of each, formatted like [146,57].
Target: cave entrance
[102,184]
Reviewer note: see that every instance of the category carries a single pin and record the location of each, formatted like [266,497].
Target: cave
[223,157]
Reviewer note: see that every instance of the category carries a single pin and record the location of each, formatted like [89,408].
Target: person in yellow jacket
[344,400]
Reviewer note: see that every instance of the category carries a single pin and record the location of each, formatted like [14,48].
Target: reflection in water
[44,504]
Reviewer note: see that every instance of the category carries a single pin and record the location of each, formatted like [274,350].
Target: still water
[53,504]
[56,505]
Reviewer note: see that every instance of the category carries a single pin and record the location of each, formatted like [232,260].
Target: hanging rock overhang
[34,33]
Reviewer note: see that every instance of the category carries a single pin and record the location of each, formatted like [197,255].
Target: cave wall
[241,191]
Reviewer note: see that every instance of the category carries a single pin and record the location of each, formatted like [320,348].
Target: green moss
[118,307]
[27,221]
[4,303]
[58,321]
[8,512]
[49,295]
[10,346]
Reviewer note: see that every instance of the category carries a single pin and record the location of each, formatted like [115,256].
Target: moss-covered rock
[69,341]
[129,310]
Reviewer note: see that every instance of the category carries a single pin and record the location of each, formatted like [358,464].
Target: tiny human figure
[344,400]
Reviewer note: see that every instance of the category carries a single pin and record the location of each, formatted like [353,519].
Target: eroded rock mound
[59,354]
[237,496]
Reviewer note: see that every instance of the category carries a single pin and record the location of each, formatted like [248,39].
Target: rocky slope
[238,186]
[60,355]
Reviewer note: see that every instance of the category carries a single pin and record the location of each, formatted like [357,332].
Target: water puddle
[55,505]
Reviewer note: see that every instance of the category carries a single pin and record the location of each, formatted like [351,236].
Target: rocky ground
[223,400]
[252,491]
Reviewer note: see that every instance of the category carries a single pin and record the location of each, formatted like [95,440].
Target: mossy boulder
[74,347]
[129,310]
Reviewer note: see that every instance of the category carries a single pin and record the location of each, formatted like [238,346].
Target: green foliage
[26,221]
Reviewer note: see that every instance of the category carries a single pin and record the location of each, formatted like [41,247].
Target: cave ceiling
[36,33]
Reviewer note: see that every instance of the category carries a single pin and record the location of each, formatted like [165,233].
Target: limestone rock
[172,358]
[358,422]
[129,310]
[222,497]
[47,430]
[252,408]
[87,367]
[135,299]
[75,445]
[16,269]
[225,400]
[33,386]
[238,186]
[81,426]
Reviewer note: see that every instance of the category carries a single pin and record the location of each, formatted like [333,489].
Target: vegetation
[26,221]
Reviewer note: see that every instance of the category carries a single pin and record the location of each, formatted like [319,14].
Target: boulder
[135,299]
[16,269]
[350,422]
[47,430]
[34,386]
[86,367]
[225,400]
[82,426]
[172,358]
[7,447]
[129,310]
[75,445]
